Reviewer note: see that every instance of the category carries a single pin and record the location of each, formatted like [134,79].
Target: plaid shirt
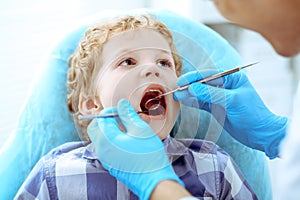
[72,171]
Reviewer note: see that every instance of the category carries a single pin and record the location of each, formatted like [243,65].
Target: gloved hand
[137,156]
[235,104]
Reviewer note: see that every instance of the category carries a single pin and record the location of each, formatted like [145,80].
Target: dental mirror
[152,104]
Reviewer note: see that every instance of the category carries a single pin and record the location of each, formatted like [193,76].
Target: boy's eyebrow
[123,51]
[118,54]
[126,50]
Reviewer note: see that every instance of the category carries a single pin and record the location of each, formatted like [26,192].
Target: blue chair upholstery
[45,122]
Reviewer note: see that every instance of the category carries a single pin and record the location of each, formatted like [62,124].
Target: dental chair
[45,122]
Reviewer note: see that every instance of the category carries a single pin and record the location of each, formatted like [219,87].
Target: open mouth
[151,105]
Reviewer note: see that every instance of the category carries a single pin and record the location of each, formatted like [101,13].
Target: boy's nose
[150,71]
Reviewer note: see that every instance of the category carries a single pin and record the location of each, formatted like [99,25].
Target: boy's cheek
[110,98]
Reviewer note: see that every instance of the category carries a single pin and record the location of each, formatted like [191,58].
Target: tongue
[156,109]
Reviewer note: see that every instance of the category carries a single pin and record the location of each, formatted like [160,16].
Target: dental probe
[90,117]
[210,78]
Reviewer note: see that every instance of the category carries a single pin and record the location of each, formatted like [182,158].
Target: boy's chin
[161,126]
[162,136]
[162,130]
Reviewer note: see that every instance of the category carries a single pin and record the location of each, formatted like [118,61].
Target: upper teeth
[152,90]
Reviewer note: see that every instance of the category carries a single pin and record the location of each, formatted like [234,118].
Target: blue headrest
[46,123]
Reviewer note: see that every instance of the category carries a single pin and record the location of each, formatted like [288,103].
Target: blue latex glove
[235,104]
[137,156]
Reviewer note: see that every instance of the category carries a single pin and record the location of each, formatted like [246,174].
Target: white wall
[28,31]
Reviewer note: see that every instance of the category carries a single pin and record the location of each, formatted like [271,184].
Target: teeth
[152,90]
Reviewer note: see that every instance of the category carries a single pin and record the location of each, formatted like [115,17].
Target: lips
[151,106]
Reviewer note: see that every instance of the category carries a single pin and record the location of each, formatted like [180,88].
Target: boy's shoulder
[70,164]
[71,152]
[69,159]
[65,148]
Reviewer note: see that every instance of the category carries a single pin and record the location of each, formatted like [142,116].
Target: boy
[134,58]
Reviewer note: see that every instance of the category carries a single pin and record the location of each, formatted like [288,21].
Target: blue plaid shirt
[72,171]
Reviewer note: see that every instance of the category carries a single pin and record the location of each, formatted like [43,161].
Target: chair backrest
[46,123]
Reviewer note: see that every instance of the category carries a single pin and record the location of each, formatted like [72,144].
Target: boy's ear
[89,106]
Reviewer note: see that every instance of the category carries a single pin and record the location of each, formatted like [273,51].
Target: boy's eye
[164,63]
[127,62]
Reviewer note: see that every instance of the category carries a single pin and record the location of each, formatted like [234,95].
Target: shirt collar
[89,152]
[172,147]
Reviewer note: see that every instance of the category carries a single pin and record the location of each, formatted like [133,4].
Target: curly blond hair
[82,63]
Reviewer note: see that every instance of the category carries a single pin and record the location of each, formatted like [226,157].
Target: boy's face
[138,65]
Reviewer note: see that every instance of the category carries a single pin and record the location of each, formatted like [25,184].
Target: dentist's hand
[137,156]
[238,108]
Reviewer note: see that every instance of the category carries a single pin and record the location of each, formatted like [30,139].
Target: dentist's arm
[137,156]
[275,20]
[170,190]
[238,108]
